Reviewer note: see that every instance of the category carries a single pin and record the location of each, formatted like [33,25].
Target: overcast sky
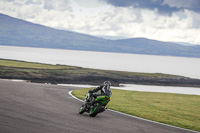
[165,20]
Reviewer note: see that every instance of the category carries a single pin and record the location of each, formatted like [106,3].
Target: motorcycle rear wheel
[95,110]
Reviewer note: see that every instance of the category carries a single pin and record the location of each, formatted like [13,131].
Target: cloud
[127,20]
[46,12]
[163,6]
[58,5]
[193,5]
[130,22]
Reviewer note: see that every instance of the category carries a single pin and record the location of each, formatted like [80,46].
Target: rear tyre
[95,110]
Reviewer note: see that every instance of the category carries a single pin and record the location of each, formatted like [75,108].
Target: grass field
[173,109]
[30,65]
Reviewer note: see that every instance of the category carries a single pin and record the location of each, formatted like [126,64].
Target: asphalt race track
[41,108]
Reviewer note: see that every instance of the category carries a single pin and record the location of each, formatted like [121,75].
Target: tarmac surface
[42,108]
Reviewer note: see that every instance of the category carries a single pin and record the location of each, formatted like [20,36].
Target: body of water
[189,67]
[149,88]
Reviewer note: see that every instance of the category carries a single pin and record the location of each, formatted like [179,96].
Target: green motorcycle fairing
[103,100]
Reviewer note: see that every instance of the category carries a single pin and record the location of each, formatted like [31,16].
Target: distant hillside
[16,32]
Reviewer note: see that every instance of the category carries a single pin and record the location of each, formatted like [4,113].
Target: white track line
[70,93]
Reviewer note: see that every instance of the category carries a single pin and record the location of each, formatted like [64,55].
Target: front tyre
[95,110]
[81,110]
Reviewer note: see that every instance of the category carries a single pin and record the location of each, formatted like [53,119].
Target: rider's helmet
[107,83]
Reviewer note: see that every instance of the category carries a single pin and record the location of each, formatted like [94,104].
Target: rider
[104,90]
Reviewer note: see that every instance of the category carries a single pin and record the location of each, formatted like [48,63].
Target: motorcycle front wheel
[81,110]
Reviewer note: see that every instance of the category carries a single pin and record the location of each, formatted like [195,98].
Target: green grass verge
[30,65]
[173,109]
[22,65]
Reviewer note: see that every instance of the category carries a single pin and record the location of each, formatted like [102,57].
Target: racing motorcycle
[93,106]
